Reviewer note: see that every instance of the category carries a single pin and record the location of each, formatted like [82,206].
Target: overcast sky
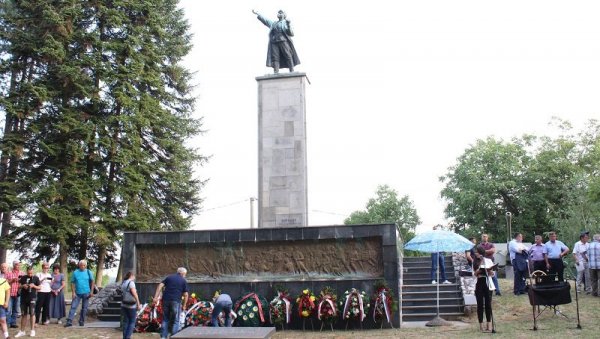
[399,89]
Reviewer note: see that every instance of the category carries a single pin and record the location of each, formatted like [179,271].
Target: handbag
[95,290]
[128,298]
[490,283]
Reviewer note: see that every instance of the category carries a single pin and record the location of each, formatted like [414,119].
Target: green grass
[512,315]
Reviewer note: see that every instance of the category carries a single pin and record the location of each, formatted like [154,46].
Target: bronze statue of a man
[281,52]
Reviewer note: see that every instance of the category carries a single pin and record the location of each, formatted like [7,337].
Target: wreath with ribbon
[326,309]
[306,303]
[280,308]
[149,318]
[383,303]
[355,305]
[250,310]
[199,314]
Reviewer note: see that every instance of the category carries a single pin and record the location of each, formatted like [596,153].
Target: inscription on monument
[322,259]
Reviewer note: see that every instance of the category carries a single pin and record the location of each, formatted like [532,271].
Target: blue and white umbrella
[439,241]
[435,242]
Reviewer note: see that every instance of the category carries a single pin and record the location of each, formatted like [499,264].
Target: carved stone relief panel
[292,260]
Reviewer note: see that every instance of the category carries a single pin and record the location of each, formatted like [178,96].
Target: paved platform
[226,332]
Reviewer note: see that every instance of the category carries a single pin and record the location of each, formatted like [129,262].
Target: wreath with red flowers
[383,303]
[326,307]
[149,318]
[306,303]
[280,308]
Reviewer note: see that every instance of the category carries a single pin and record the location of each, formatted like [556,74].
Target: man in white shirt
[518,257]
[582,262]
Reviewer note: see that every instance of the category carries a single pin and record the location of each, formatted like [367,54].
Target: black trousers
[483,295]
[539,265]
[42,305]
[557,267]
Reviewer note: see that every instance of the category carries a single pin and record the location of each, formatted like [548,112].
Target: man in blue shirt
[82,287]
[175,286]
[555,251]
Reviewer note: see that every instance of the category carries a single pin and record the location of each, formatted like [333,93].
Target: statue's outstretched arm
[262,19]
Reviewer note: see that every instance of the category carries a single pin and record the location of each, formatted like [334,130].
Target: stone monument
[282,197]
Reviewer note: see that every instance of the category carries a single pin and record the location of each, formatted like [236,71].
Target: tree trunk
[62,258]
[4,169]
[120,269]
[100,266]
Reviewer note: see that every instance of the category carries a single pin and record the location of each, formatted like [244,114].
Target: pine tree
[106,151]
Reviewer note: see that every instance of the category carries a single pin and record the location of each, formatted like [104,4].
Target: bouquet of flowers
[355,305]
[383,303]
[280,308]
[326,309]
[149,318]
[306,303]
[250,310]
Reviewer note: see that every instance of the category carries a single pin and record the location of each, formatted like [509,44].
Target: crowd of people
[37,298]
[539,258]
[548,258]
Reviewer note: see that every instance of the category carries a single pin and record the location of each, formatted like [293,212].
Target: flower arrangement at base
[250,310]
[149,318]
[326,307]
[306,303]
[199,314]
[280,308]
[383,303]
[355,305]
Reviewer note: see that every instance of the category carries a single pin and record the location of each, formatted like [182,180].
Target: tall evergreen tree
[107,150]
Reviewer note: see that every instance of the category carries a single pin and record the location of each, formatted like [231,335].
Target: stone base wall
[357,256]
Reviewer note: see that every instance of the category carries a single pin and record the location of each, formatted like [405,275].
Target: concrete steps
[113,310]
[419,295]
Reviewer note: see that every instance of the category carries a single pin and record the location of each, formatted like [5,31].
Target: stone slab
[101,324]
[226,332]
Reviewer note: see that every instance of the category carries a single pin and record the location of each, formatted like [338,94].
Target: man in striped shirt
[13,304]
[594,261]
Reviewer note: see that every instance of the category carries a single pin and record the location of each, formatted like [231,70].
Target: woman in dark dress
[482,268]
[57,295]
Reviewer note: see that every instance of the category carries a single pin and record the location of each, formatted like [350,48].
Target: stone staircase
[112,312]
[419,296]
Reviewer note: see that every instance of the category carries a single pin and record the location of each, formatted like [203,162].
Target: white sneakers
[446,282]
[22,334]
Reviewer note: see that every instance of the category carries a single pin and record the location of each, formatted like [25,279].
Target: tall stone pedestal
[282,198]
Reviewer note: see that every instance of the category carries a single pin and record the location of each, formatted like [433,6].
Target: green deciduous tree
[387,207]
[545,182]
